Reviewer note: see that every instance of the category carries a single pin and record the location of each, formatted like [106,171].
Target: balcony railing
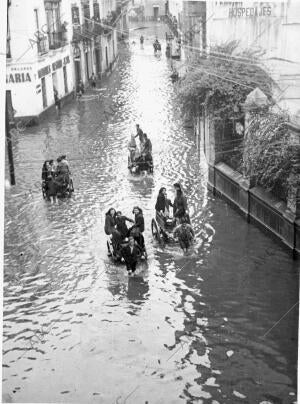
[57,39]
[42,46]
[89,30]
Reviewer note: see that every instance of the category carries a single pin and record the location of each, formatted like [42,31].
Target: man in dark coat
[130,253]
[185,234]
[180,208]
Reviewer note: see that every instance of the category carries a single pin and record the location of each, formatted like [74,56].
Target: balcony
[89,30]
[42,46]
[57,39]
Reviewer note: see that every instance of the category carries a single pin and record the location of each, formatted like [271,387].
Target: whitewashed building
[154,9]
[271,27]
[52,45]
[38,55]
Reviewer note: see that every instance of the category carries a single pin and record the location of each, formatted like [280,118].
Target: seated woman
[121,224]
[147,145]
[45,170]
[110,229]
[48,180]
[163,203]
[138,228]
[62,173]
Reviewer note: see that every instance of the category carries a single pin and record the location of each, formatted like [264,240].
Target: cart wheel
[109,249]
[155,231]
[44,191]
[71,186]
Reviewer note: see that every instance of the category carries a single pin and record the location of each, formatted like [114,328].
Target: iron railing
[57,39]
[42,46]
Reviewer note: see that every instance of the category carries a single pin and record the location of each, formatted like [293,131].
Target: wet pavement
[196,329]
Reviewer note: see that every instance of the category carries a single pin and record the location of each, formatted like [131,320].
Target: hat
[177,185]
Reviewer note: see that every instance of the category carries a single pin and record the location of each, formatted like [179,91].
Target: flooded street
[196,329]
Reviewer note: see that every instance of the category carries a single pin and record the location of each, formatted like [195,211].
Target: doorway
[155,12]
[65,79]
[106,56]
[44,92]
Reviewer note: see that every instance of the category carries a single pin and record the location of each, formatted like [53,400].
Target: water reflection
[199,319]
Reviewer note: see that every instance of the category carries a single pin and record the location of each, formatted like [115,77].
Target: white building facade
[38,55]
[272,28]
[52,45]
[154,9]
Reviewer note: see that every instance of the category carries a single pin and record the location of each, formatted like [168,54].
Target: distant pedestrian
[93,80]
[56,98]
[80,89]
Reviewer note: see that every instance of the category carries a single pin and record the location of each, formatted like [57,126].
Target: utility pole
[9,147]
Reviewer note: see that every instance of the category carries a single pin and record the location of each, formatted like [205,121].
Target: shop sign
[66,60]
[56,65]
[44,71]
[18,78]
[250,12]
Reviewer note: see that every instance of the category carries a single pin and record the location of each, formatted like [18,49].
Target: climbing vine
[221,81]
[268,153]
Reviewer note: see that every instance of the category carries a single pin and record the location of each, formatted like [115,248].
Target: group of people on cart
[128,243]
[140,157]
[56,178]
[180,221]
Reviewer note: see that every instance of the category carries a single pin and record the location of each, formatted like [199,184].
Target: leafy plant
[268,153]
[222,80]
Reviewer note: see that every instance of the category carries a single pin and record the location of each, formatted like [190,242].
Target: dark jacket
[147,147]
[121,225]
[128,256]
[162,203]
[139,222]
[184,232]
[180,205]
[110,223]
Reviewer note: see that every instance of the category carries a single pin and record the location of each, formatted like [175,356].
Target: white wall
[26,96]
[277,32]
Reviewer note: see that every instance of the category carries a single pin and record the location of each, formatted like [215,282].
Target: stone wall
[256,205]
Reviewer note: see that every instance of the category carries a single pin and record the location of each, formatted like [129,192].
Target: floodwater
[198,329]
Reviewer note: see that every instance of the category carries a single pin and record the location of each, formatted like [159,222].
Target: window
[96,11]
[86,10]
[53,16]
[75,15]
[56,30]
